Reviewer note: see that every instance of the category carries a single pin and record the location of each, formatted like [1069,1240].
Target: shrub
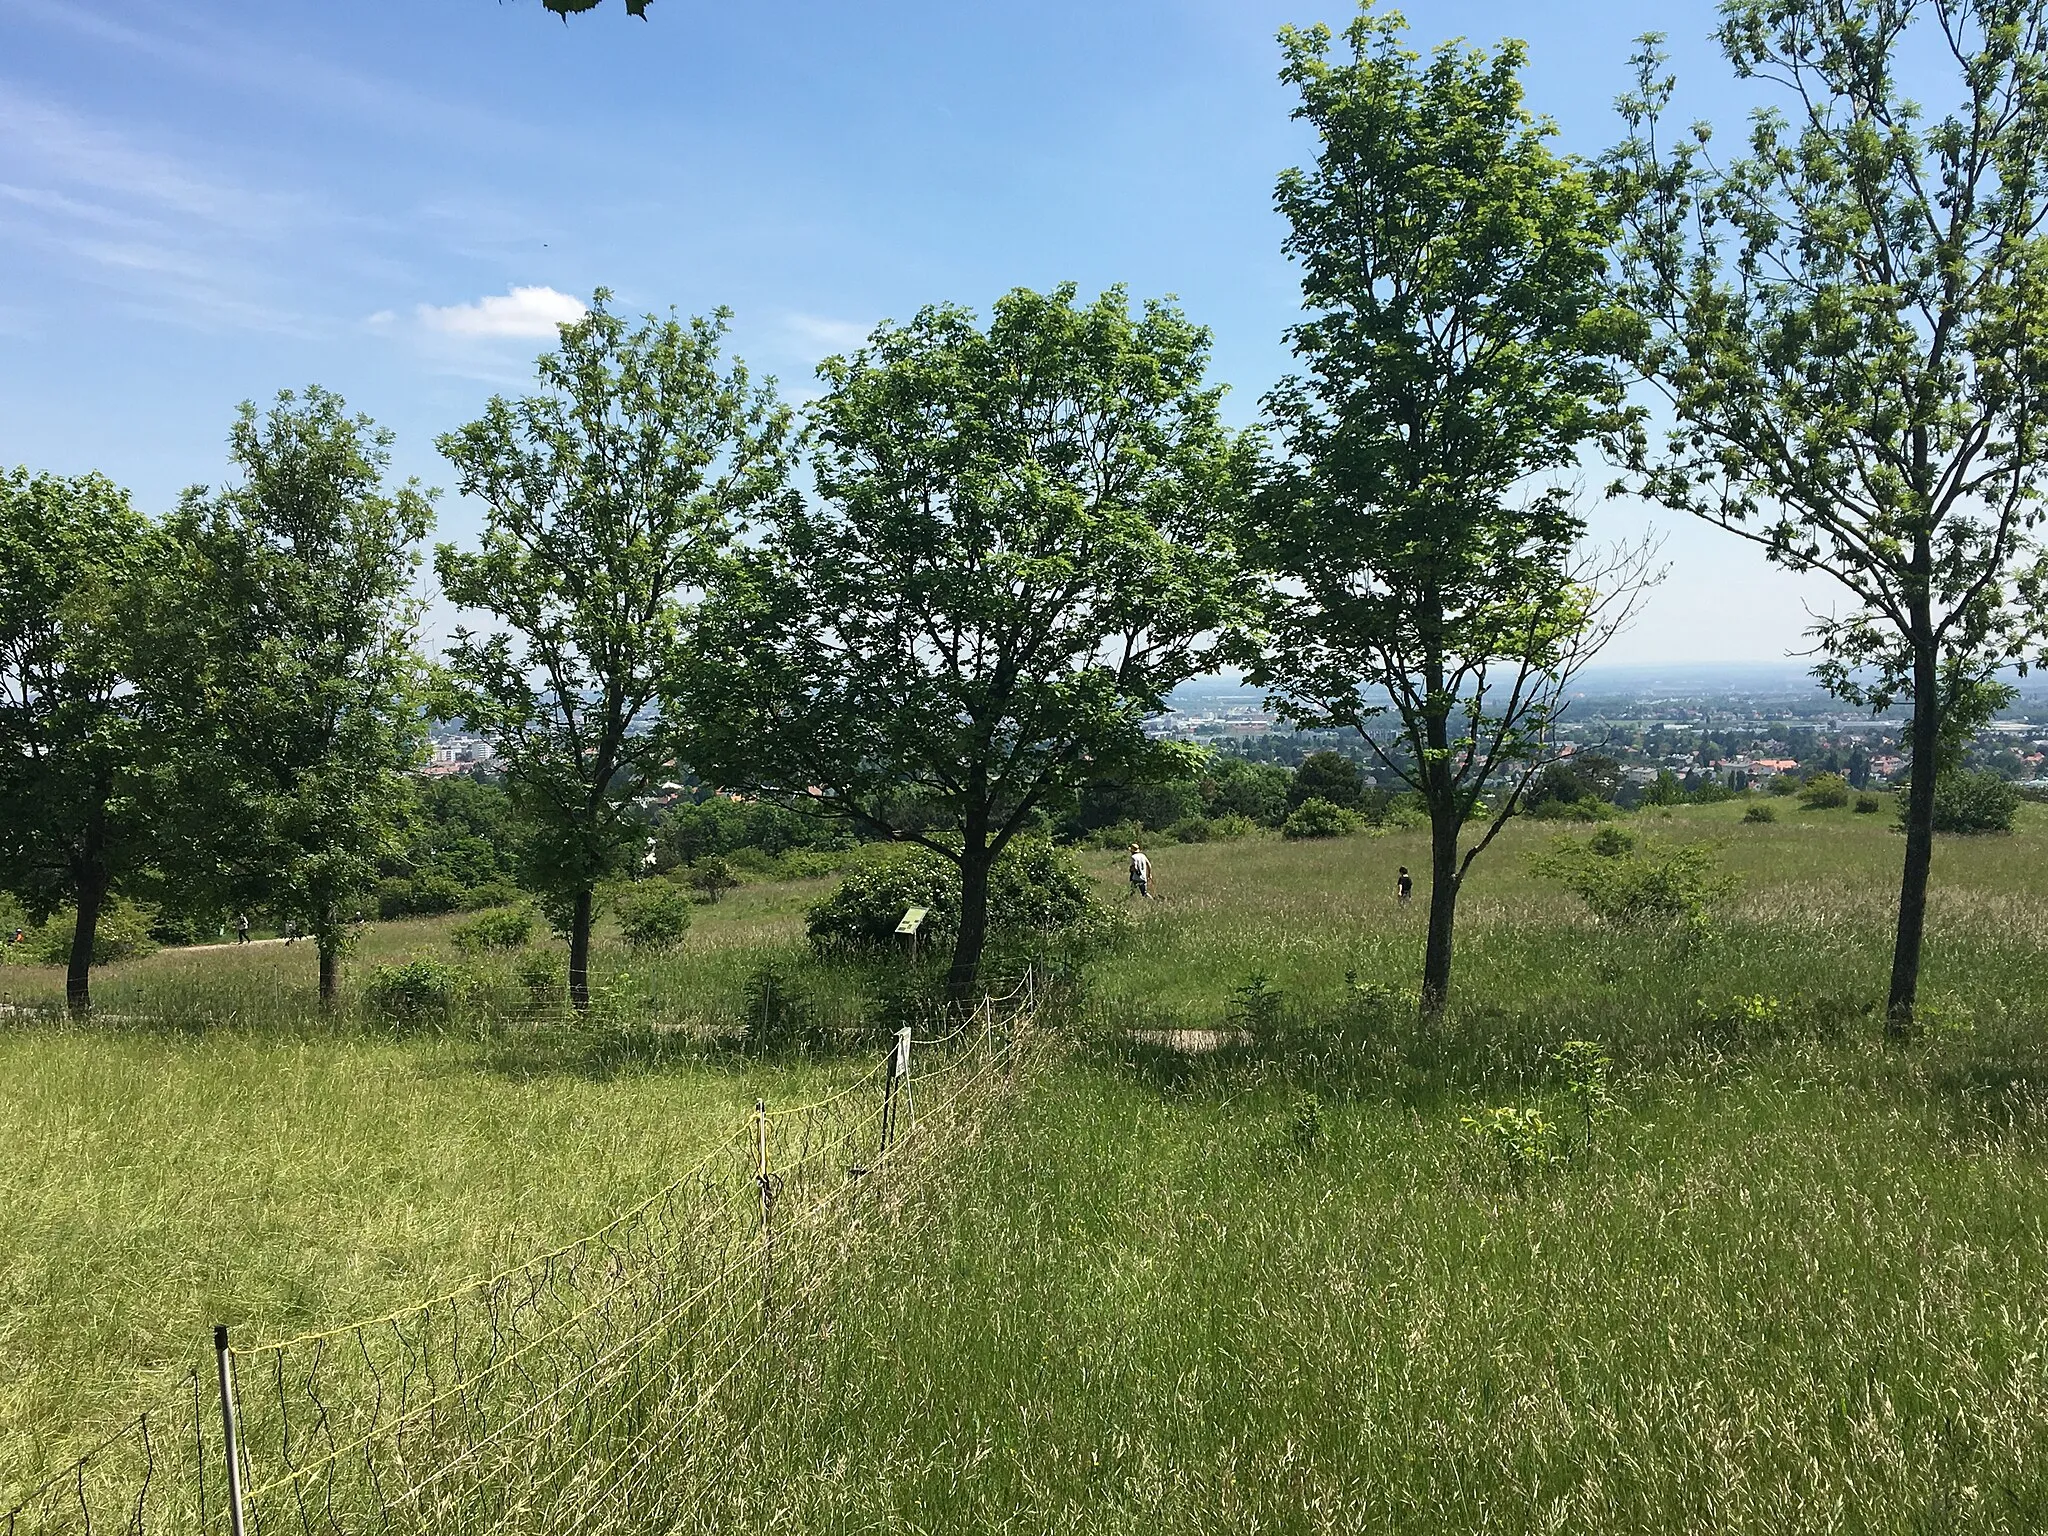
[426,895]
[1784,784]
[1971,802]
[1319,818]
[712,877]
[492,893]
[1758,815]
[1570,810]
[1254,1006]
[545,976]
[1825,792]
[1520,1139]
[502,928]
[1033,887]
[1869,803]
[1713,792]
[1195,829]
[653,915]
[1228,828]
[1638,887]
[1612,842]
[778,1014]
[423,992]
[122,933]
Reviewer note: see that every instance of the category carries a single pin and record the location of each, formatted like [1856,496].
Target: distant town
[1736,726]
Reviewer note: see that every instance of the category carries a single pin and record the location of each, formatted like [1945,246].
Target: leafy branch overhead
[567,8]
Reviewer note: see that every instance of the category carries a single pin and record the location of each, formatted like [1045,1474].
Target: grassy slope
[1799,1287]
[275,1174]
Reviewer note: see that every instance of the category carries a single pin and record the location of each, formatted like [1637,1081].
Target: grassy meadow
[1791,1278]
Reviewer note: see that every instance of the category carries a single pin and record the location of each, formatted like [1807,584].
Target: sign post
[913,919]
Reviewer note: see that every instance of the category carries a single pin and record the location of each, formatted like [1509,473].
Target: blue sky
[203,201]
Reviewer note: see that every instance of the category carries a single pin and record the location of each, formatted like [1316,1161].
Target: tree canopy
[1845,322]
[609,493]
[1013,555]
[1458,343]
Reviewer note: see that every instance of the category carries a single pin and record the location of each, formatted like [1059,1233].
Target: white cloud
[522,312]
[824,335]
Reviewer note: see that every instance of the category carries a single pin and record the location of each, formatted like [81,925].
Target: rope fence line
[617,1367]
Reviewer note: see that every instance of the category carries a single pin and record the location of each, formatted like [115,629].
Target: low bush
[425,896]
[501,928]
[1784,784]
[122,933]
[1571,810]
[1195,829]
[653,916]
[492,893]
[1634,886]
[711,878]
[779,1016]
[1825,792]
[1869,803]
[544,975]
[1228,828]
[422,992]
[1319,818]
[1034,888]
[1971,802]
[1759,815]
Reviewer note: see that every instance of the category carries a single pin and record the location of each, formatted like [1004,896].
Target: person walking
[1404,886]
[241,927]
[291,932]
[1141,873]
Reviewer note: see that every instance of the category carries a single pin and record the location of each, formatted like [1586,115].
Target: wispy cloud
[176,242]
[175,36]
[535,311]
[816,335]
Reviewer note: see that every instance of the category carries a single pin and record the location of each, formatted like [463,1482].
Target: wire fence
[618,1372]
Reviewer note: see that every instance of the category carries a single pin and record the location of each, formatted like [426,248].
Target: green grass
[1799,1284]
[249,1163]
[1804,1299]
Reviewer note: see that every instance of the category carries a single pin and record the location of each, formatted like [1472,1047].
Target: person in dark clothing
[1404,885]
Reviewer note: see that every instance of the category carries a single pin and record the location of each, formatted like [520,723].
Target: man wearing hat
[1141,872]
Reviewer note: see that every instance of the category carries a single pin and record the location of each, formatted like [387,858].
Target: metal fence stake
[230,1425]
[761,1179]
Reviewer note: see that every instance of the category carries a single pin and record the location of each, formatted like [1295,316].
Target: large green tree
[1848,323]
[1011,558]
[608,494]
[284,669]
[75,809]
[1428,592]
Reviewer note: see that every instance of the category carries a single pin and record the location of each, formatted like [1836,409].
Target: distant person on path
[291,931]
[1404,886]
[1141,873]
[241,927]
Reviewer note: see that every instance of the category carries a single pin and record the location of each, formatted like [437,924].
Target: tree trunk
[579,951]
[1444,826]
[92,894]
[965,972]
[327,939]
[1926,739]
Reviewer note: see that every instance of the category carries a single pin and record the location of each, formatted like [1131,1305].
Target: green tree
[1453,275]
[283,666]
[74,802]
[1327,776]
[609,493]
[1010,561]
[1846,324]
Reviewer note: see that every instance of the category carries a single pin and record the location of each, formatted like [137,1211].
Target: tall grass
[1798,1283]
